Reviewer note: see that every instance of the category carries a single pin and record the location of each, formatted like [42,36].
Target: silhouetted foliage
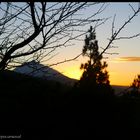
[95,75]
[134,89]
[136,85]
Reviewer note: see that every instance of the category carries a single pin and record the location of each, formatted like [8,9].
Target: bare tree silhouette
[34,30]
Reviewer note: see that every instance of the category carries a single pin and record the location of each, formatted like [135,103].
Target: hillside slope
[36,69]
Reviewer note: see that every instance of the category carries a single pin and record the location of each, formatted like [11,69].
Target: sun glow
[73,72]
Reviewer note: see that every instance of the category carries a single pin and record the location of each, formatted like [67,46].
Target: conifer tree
[94,71]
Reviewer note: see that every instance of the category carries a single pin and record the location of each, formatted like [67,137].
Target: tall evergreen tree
[94,74]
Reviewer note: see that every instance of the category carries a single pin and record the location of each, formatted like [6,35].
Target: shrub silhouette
[135,88]
[136,85]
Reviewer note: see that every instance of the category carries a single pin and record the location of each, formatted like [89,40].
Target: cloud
[134,58]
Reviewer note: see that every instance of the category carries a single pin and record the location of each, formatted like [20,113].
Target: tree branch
[33,15]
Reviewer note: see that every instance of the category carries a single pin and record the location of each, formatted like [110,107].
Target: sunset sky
[122,67]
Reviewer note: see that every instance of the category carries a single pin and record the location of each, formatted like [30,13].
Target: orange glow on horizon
[114,77]
[73,72]
[121,73]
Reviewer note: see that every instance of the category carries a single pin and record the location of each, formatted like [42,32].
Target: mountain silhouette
[35,69]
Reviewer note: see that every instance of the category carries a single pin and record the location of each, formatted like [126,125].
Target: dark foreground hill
[38,109]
